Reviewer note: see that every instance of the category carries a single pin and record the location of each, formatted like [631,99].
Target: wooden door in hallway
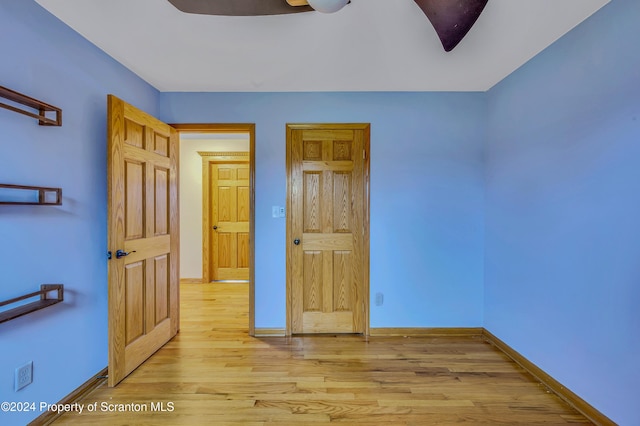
[327,228]
[142,236]
[229,216]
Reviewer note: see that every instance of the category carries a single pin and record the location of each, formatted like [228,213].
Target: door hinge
[109,256]
[364,154]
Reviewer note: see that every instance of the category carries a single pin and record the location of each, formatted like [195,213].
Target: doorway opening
[220,252]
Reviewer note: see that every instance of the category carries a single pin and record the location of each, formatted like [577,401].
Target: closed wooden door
[142,236]
[327,228]
[230,214]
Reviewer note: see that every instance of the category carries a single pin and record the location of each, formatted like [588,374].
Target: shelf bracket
[46,196]
[44,302]
[41,107]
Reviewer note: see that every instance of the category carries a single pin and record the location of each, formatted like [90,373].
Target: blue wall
[43,58]
[563,211]
[426,195]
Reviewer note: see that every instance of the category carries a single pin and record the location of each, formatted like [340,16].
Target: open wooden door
[142,162]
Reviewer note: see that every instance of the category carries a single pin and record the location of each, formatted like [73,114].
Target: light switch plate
[277,211]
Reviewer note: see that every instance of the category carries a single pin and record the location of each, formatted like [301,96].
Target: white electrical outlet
[24,375]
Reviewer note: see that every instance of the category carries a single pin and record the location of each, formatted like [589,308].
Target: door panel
[243,250]
[134,285]
[327,198]
[161,214]
[134,219]
[142,221]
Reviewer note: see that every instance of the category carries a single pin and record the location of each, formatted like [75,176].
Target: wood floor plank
[214,373]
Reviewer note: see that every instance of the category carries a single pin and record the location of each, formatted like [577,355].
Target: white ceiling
[370,45]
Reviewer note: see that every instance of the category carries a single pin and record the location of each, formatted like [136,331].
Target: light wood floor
[213,373]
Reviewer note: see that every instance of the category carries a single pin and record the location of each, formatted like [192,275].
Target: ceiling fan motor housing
[327,6]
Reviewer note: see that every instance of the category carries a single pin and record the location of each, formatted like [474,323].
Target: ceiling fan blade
[298,2]
[239,7]
[452,19]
